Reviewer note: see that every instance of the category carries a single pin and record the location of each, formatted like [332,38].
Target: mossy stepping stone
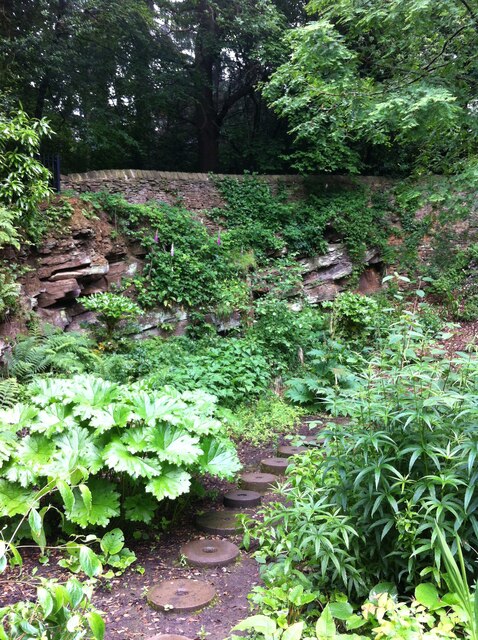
[181,595]
[210,553]
[276,466]
[313,441]
[241,498]
[221,523]
[258,481]
[287,451]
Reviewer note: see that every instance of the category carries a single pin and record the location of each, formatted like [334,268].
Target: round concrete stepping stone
[221,523]
[168,636]
[286,451]
[276,466]
[210,553]
[261,482]
[181,595]
[241,498]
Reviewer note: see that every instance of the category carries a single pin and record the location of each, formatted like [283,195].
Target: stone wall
[87,256]
[196,191]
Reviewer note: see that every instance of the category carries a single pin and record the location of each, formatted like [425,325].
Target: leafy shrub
[112,309]
[9,292]
[352,314]
[404,465]
[232,369]
[9,235]
[59,612]
[262,422]
[23,179]
[426,617]
[257,219]
[331,371]
[111,450]
[184,264]
[284,333]
[49,350]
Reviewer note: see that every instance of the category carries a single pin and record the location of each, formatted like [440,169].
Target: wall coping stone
[135,174]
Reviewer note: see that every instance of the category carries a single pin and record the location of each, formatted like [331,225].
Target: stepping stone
[181,595]
[314,441]
[221,523]
[277,466]
[286,451]
[261,482]
[168,636]
[241,498]
[210,553]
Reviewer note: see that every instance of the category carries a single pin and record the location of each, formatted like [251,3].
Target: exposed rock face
[82,260]
[88,256]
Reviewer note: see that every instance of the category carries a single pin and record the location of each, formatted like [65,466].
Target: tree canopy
[388,86]
[262,85]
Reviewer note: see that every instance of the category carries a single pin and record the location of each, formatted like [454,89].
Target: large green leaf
[20,416]
[140,508]
[14,499]
[174,445]
[55,418]
[219,458]
[162,408]
[114,415]
[112,542]
[104,504]
[75,449]
[172,483]
[32,456]
[136,438]
[8,443]
[117,457]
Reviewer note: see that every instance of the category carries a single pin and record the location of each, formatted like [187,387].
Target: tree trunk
[206,110]
[45,81]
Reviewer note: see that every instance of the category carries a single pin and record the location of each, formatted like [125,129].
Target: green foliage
[262,422]
[49,350]
[185,266]
[427,617]
[357,89]
[106,447]
[110,551]
[234,370]
[454,281]
[268,223]
[112,309]
[457,580]
[9,292]
[283,333]
[9,392]
[352,314]
[9,235]
[23,179]
[59,612]
[405,464]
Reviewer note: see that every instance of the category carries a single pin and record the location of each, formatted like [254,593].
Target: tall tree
[384,85]
[168,84]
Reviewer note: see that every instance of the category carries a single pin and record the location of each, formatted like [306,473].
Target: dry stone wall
[196,191]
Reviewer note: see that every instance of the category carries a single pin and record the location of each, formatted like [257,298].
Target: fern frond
[9,393]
